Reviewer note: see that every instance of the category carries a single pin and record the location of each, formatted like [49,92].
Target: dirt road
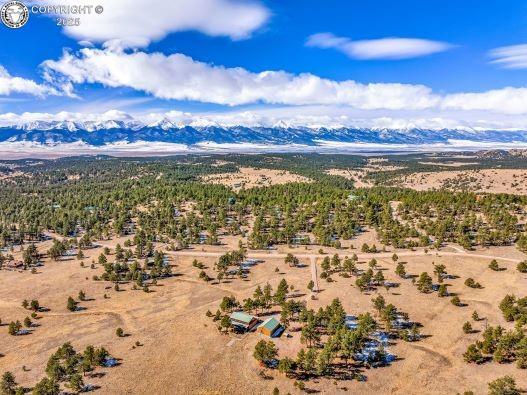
[311,257]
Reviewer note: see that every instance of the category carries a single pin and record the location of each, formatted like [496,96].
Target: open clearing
[450,164]
[183,352]
[488,180]
[249,177]
[358,176]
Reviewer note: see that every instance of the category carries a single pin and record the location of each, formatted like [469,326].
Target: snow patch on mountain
[203,134]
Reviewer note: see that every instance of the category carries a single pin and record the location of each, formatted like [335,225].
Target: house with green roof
[243,321]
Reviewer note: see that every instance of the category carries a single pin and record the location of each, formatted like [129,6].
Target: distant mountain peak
[37,125]
[128,130]
[281,124]
[203,123]
[164,123]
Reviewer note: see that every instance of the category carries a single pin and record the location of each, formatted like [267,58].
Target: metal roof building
[243,320]
[269,326]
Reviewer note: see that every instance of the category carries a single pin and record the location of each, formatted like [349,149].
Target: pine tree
[8,384]
[71,305]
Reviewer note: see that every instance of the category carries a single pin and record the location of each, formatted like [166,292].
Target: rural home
[243,321]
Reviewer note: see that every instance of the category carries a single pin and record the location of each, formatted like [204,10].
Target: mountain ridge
[101,133]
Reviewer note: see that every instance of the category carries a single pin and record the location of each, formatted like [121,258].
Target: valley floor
[183,352]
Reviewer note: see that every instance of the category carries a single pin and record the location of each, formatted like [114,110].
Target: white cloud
[507,100]
[383,48]
[12,85]
[342,116]
[10,119]
[180,77]
[511,57]
[301,116]
[135,23]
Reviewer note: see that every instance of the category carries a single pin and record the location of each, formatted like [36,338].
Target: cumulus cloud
[511,57]
[11,119]
[180,77]
[505,100]
[12,85]
[383,48]
[135,23]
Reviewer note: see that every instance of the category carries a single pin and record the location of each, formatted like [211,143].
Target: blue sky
[451,48]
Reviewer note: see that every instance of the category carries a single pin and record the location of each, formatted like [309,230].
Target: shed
[269,326]
[243,320]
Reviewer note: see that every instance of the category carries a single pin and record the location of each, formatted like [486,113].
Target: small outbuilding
[269,327]
[243,321]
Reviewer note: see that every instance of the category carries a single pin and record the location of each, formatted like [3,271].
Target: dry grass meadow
[182,352]
[488,180]
[248,177]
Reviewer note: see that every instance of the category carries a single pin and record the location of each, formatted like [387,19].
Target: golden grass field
[182,351]
[249,177]
[484,181]
[488,180]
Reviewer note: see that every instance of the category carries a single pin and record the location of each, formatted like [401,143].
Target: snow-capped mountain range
[102,133]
